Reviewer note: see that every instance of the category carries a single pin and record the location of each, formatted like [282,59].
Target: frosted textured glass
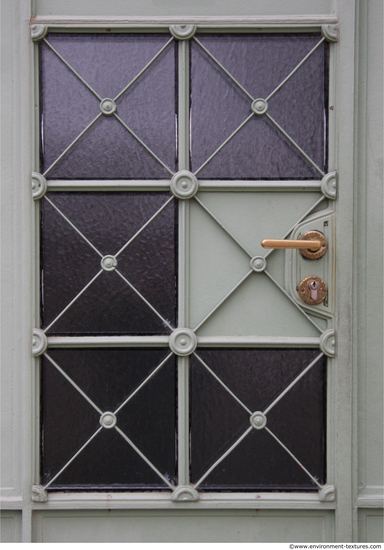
[109,305]
[107,63]
[257,377]
[218,106]
[108,377]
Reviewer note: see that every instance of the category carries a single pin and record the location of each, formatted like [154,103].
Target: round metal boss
[314,254]
[39,342]
[258,420]
[259,106]
[258,264]
[107,106]
[108,420]
[184,184]
[108,263]
[183,341]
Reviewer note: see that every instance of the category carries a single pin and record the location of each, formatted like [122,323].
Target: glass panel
[108,63]
[257,377]
[69,263]
[219,106]
[108,377]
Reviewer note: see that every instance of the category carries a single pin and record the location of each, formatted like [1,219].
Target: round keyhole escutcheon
[314,254]
[310,285]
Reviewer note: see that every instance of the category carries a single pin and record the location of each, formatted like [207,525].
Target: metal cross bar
[143,457]
[293,302]
[143,70]
[224,455]
[144,226]
[143,144]
[293,383]
[73,383]
[294,70]
[144,299]
[74,300]
[222,383]
[222,226]
[225,143]
[223,68]
[294,144]
[296,223]
[293,456]
[223,300]
[72,144]
[73,226]
[73,458]
[144,382]
[72,69]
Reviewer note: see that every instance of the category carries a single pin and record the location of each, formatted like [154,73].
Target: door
[180,361]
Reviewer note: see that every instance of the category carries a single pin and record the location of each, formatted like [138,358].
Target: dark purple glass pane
[218,106]
[108,378]
[69,263]
[108,63]
[257,377]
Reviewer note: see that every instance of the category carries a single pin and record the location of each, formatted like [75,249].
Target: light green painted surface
[371,525]
[182,7]
[369,252]
[10,526]
[209,526]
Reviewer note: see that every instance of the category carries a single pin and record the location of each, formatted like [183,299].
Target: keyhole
[313,286]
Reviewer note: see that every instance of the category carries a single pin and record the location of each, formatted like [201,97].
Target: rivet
[259,106]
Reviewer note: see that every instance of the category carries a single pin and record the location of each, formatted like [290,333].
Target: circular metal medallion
[183,341]
[108,420]
[258,420]
[258,264]
[259,106]
[107,106]
[108,263]
[184,184]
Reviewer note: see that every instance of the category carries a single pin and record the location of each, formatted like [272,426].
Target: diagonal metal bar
[73,226]
[72,69]
[293,302]
[143,383]
[144,457]
[293,456]
[222,226]
[224,455]
[143,144]
[144,299]
[73,458]
[296,223]
[294,70]
[72,144]
[223,300]
[293,383]
[223,68]
[294,144]
[73,383]
[144,226]
[225,143]
[144,69]
[74,300]
[222,383]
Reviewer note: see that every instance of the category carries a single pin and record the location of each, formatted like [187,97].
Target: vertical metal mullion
[183,286]
[36,282]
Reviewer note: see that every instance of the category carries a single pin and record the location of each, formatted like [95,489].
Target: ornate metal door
[177,354]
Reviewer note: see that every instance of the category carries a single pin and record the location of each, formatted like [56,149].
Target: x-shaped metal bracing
[112,414]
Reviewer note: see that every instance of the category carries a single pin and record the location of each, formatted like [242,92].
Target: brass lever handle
[285,243]
[312,245]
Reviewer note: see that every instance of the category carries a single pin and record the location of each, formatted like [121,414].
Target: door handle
[285,243]
[312,245]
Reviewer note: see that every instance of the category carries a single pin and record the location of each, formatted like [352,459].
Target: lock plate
[314,254]
[309,292]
